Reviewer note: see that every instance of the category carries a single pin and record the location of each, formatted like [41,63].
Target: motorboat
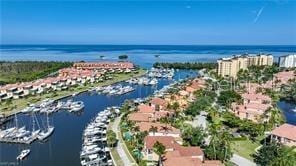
[76,106]
[46,102]
[27,109]
[24,153]
[153,82]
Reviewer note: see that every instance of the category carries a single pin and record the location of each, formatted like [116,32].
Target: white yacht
[153,81]
[23,154]
[46,102]
[27,109]
[76,106]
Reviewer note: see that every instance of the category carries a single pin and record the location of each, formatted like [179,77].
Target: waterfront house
[171,146]
[146,113]
[139,117]
[256,98]
[158,103]
[285,134]
[143,108]
[174,158]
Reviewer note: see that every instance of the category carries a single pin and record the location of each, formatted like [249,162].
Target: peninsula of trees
[21,71]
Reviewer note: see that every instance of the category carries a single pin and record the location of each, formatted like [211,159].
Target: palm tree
[159,149]
[111,138]
[214,138]
[287,157]
[130,124]
[165,128]
[226,142]
[136,129]
[276,117]
[153,129]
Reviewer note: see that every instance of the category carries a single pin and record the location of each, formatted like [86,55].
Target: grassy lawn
[245,148]
[18,104]
[116,157]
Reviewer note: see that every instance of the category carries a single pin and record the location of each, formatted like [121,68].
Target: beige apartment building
[228,67]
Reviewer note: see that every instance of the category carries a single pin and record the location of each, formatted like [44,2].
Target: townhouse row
[80,73]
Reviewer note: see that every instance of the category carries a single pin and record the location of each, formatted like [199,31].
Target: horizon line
[153,44]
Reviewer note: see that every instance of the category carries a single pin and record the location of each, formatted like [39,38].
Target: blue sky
[148,22]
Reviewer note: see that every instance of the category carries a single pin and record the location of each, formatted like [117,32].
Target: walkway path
[241,161]
[120,146]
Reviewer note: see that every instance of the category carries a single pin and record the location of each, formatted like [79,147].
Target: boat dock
[18,141]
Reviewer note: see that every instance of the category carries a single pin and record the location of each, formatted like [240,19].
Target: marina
[114,90]
[94,149]
[62,145]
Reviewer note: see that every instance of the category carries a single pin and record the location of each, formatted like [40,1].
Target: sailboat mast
[47,121]
[16,121]
[33,121]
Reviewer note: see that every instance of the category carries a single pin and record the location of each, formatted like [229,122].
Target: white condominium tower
[288,61]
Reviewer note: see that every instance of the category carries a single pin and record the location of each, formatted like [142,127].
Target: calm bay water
[64,145]
[288,112]
[143,55]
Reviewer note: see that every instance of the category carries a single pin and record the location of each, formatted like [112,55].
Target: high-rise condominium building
[228,67]
[288,61]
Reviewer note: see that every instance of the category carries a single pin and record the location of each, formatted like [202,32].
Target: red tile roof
[159,101]
[170,143]
[189,151]
[181,161]
[139,117]
[286,131]
[167,141]
[255,96]
[143,108]
[104,65]
[212,163]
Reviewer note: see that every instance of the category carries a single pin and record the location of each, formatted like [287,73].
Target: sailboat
[34,131]
[45,134]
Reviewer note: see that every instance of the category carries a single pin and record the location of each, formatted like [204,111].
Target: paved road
[119,147]
[241,161]
[200,120]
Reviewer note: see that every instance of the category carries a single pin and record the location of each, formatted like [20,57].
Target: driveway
[241,161]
